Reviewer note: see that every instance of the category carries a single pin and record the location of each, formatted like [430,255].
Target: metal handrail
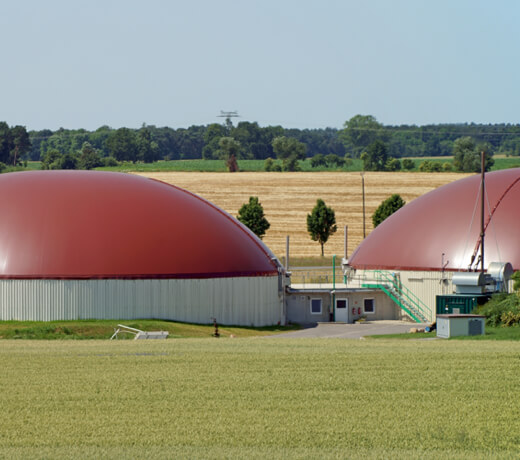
[403,290]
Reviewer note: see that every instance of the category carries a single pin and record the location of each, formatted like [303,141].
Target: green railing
[405,298]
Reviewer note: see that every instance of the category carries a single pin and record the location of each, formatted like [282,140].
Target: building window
[369,306]
[316,306]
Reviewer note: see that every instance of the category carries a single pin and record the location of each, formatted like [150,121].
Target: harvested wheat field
[287,198]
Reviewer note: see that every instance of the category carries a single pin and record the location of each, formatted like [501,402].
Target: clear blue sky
[302,64]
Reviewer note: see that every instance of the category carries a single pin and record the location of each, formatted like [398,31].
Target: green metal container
[463,303]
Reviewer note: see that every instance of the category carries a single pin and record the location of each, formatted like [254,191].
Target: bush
[393,164]
[430,166]
[317,160]
[110,161]
[408,164]
[387,208]
[268,164]
[501,309]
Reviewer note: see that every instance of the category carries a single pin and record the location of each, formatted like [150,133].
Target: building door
[341,315]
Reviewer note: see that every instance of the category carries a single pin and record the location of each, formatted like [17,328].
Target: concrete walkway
[351,331]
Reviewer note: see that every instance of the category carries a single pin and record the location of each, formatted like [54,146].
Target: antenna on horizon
[224,114]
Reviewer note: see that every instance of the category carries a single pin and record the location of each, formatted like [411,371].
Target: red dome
[86,224]
[447,220]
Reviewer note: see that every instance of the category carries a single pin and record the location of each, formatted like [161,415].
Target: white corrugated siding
[240,301]
[426,285]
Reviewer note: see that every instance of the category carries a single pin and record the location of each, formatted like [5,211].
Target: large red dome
[447,221]
[86,224]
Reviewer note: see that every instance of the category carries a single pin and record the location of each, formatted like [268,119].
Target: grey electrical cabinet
[459,324]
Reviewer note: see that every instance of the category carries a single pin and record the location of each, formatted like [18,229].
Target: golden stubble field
[287,198]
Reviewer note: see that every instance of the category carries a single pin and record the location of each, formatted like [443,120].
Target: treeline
[251,141]
[151,143]
[429,140]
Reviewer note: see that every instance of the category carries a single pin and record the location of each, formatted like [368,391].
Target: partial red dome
[447,221]
[91,224]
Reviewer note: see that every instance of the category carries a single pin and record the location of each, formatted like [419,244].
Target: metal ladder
[414,307]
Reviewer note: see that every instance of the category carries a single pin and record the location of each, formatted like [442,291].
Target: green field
[104,329]
[260,398]
[258,165]
[216,166]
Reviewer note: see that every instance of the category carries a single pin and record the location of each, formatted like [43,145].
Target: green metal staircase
[401,295]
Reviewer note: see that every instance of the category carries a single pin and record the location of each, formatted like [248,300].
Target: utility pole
[228,116]
[363,192]
[482,200]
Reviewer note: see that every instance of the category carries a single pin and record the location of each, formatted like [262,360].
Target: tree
[387,208]
[408,164]
[214,132]
[252,216]
[68,161]
[229,150]
[51,159]
[430,166]
[375,157]
[393,164]
[289,150]
[466,155]
[321,223]
[334,160]
[147,149]
[14,143]
[21,143]
[359,132]
[122,145]
[89,157]
[318,160]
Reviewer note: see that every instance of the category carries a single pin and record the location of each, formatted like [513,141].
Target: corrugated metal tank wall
[244,301]
[426,285]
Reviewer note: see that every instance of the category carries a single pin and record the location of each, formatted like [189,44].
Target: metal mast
[482,198]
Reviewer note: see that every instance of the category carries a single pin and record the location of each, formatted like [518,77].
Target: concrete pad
[351,331]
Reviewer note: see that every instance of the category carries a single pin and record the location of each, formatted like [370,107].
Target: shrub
[430,166]
[393,164]
[500,308]
[110,161]
[408,164]
[387,208]
[317,160]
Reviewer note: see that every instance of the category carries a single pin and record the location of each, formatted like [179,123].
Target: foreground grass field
[260,398]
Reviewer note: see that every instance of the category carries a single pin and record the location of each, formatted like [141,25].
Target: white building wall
[426,285]
[244,301]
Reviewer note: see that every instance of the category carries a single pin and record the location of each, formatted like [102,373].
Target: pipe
[334,288]
[363,191]
[287,253]
[482,201]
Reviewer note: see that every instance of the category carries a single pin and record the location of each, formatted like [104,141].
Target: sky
[299,64]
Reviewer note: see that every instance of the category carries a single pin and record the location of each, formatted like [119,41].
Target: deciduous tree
[359,132]
[376,156]
[387,208]
[467,155]
[321,223]
[289,150]
[252,216]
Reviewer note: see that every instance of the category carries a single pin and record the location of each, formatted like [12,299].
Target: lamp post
[363,193]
